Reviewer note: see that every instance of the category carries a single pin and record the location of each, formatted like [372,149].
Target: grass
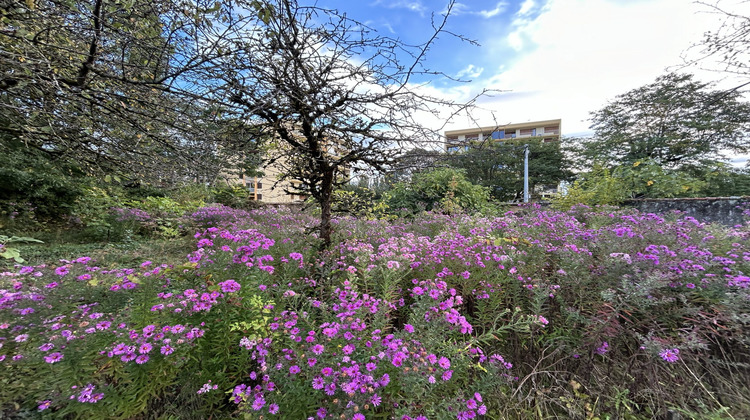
[63,245]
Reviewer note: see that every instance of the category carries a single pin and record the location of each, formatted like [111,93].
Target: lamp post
[526,195]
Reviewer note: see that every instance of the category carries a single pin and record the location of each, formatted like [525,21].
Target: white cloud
[575,55]
[464,9]
[470,71]
[413,5]
[499,8]
[526,7]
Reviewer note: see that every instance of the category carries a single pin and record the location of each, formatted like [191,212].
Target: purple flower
[294,369]
[376,400]
[670,355]
[273,408]
[43,405]
[409,328]
[444,362]
[258,403]
[53,357]
[145,348]
[229,286]
[447,375]
[317,349]
[141,359]
[330,389]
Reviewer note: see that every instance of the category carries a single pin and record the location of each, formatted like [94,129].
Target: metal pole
[526,195]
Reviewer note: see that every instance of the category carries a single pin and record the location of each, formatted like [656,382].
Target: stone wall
[724,210]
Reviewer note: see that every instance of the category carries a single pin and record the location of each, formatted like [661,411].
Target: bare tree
[333,94]
[727,48]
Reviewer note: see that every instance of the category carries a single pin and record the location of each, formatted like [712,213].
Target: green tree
[499,167]
[444,189]
[675,121]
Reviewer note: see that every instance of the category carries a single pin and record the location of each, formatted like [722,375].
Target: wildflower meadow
[593,313]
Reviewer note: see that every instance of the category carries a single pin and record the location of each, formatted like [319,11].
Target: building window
[554,129]
[526,132]
[260,185]
[259,196]
[497,135]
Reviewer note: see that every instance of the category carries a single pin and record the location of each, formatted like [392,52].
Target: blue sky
[552,58]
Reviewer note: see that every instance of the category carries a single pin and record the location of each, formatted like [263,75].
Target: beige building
[458,140]
[268,189]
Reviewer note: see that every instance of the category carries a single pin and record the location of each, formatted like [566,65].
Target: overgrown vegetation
[591,313]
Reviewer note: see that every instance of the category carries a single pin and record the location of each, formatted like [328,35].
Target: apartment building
[459,140]
[269,188]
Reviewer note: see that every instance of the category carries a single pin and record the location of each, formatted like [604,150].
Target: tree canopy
[107,85]
[674,121]
[499,166]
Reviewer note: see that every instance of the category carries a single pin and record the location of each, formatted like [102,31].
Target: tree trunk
[326,198]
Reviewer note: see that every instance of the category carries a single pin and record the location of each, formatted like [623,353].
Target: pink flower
[670,355]
[53,357]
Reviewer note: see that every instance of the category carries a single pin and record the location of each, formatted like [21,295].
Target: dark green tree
[675,121]
[499,166]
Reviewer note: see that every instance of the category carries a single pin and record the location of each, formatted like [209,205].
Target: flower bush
[536,313]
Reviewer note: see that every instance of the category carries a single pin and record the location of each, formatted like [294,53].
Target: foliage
[112,89]
[35,189]
[443,189]
[358,201]
[500,167]
[11,253]
[235,196]
[642,179]
[673,121]
[725,181]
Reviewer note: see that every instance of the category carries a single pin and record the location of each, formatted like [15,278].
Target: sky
[548,59]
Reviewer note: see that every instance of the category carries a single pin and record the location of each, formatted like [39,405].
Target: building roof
[514,126]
